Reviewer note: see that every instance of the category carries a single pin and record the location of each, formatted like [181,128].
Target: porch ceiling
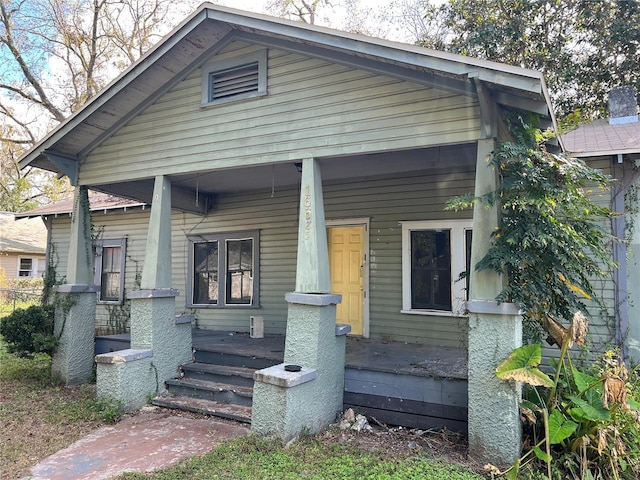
[245,179]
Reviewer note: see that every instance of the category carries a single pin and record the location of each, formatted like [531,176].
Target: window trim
[458,262]
[220,65]
[32,273]
[98,245]
[222,239]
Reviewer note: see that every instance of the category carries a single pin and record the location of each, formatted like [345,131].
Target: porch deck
[361,353]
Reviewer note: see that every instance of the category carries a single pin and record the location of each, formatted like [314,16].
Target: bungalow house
[297,178]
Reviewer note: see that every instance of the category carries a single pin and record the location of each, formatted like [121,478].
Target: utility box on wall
[256,327]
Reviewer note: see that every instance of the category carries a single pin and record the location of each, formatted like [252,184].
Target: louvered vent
[233,82]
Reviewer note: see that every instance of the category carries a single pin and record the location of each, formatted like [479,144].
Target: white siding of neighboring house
[314,109]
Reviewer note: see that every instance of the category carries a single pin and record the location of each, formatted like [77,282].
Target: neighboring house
[248,135]
[110,253]
[22,247]
[614,146]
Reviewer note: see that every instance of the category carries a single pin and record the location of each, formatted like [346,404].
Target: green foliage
[583,47]
[588,423]
[551,241]
[29,331]
[521,366]
[254,458]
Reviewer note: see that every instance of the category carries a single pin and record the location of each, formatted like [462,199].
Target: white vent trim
[234,79]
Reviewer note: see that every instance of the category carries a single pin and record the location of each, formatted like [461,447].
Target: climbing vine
[550,241]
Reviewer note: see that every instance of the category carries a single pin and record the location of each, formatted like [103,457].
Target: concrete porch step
[231,375]
[207,390]
[229,411]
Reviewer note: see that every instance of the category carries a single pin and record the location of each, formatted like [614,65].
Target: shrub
[29,331]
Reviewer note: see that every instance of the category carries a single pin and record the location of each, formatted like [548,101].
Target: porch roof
[212,27]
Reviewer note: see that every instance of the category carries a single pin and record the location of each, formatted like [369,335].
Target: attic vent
[234,79]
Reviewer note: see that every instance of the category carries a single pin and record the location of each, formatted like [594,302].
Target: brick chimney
[623,106]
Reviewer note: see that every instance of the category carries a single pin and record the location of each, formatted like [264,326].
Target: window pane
[205,271]
[110,286]
[25,267]
[239,271]
[431,269]
[110,276]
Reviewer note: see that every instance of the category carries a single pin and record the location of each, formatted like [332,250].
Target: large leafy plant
[551,241]
[580,424]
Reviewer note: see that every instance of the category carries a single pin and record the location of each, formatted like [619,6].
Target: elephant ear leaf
[521,366]
[560,428]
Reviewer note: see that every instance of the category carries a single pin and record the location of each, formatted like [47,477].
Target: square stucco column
[74,325]
[160,340]
[494,332]
[283,407]
[494,416]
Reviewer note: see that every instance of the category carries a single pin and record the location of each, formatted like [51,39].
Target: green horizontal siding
[309,101]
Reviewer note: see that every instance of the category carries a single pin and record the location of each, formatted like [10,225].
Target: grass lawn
[40,417]
[317,457]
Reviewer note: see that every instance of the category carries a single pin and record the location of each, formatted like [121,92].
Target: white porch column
[75,323]
[287,402]
[494,332]
[160,342]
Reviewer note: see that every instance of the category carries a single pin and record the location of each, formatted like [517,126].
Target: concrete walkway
[142,443]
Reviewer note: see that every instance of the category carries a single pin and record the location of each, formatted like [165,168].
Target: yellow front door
[346,264]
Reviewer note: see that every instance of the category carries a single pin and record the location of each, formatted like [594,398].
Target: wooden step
[214,357]
[241,376]
[230,411]
[215,391]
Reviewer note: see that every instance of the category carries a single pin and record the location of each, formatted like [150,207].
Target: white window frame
[32,271]
[220,65]
[457,237]
[222,239]
[98,245]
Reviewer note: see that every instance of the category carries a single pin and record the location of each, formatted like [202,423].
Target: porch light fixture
[298,166]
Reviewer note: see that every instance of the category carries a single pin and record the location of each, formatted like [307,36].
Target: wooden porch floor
[361,353]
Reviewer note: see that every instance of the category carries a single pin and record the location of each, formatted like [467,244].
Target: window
[223,270]
[434,254]
[234,79]
[25,267]
[109,264]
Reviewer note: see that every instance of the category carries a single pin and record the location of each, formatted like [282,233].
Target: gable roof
[212,27]
[22,236]
[600,138]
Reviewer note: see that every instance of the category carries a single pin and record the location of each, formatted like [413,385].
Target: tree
[584,48]
[54,56]
[550,242]
[303,10]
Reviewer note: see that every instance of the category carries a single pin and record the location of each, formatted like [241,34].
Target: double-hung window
[434,254]
[25,267]
[109,264]
[223,270]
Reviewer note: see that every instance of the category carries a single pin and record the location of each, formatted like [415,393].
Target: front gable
[312,108]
